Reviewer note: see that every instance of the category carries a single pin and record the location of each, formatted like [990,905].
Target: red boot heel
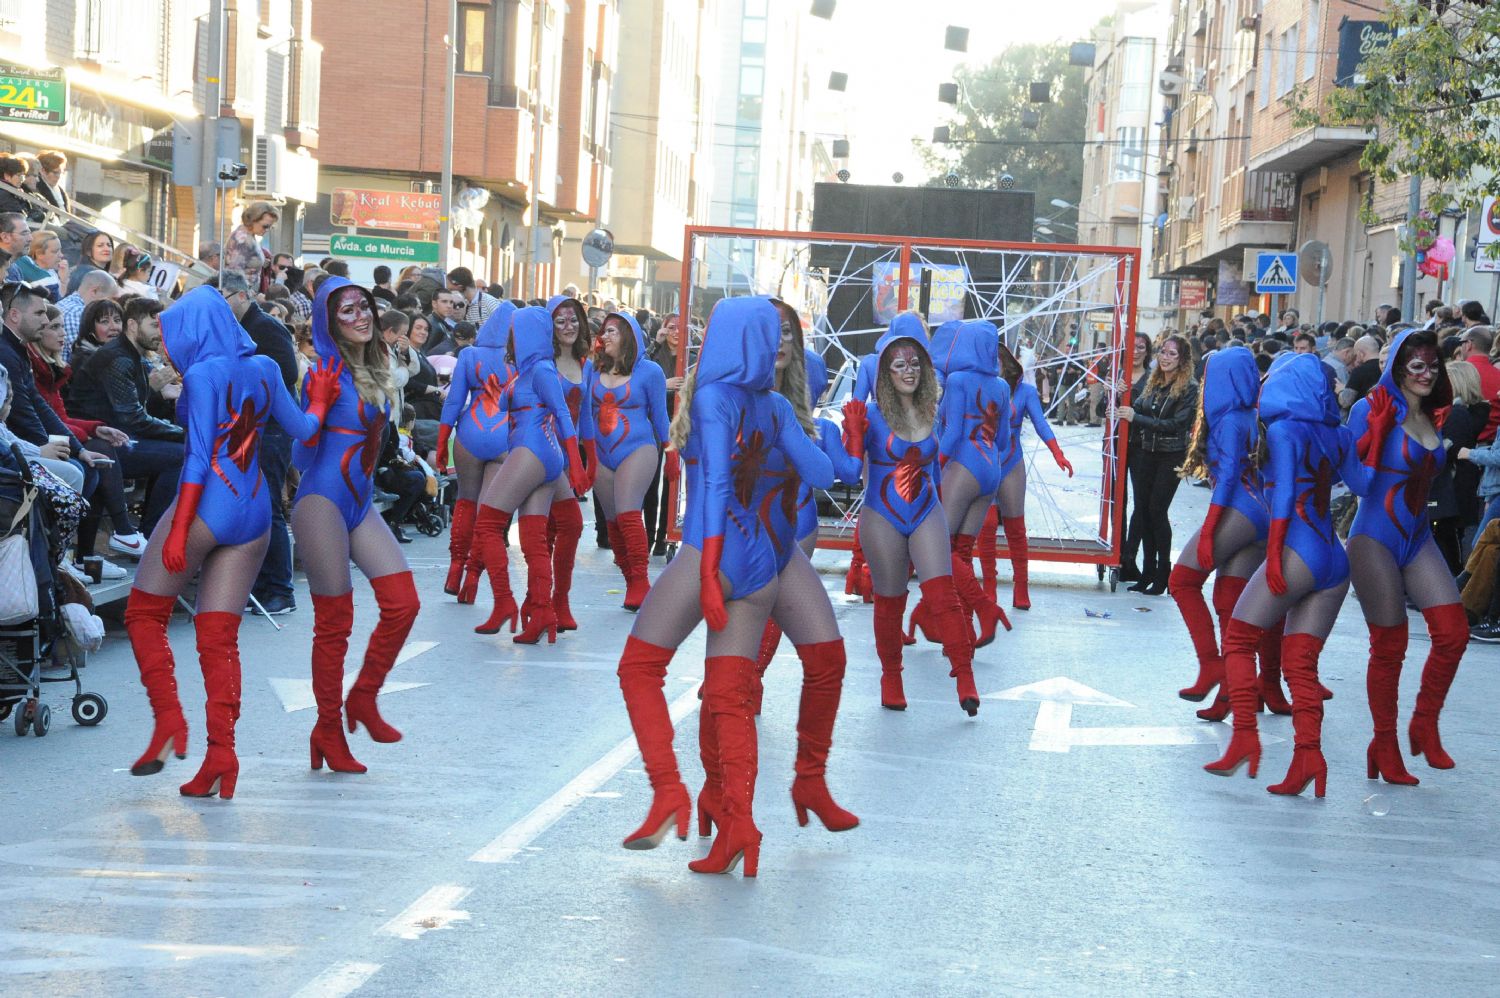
[811,794]
[169,738]
[670,808]
[709,806]
[729,848]
[327,744]
[218,775]
[1383,761]
[1307,767]
[1244,747]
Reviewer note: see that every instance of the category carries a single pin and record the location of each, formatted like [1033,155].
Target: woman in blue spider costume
[334,522]
[625,421]
[902,524]
[1393,555]
[728,422]
[476,406]
[570,353]
[220,523]
[1306,572]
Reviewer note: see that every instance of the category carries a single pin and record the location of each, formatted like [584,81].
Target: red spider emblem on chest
[1411,488]
[238,436]
[366,449]
[575,402]
[749,457]
[910,474]
[611,418]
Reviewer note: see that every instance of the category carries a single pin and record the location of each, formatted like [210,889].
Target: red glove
[174,552]
[1057,455]
[444,433]
[855,423]
[711,593]
[322,391]
[1380,419]
[1274,579]
[673,467]
[1440,416]
[1206,537]
[578,478]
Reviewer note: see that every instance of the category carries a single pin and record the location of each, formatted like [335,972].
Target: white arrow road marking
[433,910]
[297,694]
[414,648]
[1054,731]
[1059,690]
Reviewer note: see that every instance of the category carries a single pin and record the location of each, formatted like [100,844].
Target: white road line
[520,835]
[414,648]
[433,910]
[339,980]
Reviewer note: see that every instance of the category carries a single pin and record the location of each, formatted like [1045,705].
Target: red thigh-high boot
[219,655]
[333,619]
[1186,586]
[540,618]
[1227,589]
[490,527]
[643,674]
[396,595]
[972,594]
[711,797]
[1020,550]
[566,521]
[1270,670]
[617,548]
[727,687]
[889,610]
[468,589]
[1382,684]
[950,621]
[1240,642]
[1449,629]
[986,549]
[146,616]
[822,685]
[1300,660]
[637,575]
[857,581]
[770,639]
[460,539]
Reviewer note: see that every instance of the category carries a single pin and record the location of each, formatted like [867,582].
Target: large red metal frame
[1111,524]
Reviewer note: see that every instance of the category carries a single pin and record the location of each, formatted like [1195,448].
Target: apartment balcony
[1311,147]
[1258,196]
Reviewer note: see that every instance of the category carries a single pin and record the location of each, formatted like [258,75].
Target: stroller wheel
[430,525]
[23,718]
[89,709]
[41,720]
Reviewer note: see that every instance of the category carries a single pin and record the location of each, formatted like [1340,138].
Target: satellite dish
[598,247]
[1315,263]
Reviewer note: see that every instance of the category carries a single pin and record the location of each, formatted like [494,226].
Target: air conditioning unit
[1171,84]
[1191,145]
[277,173]
[1185,205]
[1200,21]
[1250,23]
[1199,80]
[265,170]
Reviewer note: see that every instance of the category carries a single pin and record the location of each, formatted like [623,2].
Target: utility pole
[445,223]
[209,188]
[539,14]
[1409,271]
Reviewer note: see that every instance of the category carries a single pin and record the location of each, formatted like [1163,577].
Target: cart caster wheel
[1100,570]
[1114,579]
[41,720]
[23,718]
[89,709]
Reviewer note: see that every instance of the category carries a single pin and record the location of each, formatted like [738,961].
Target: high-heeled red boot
[566,526]
[1300,661]
[540,618]
[950,621]
[889,610]
[822,685]
[988,551]
[857,578]
[146,617]
[1019,549]
[1449,629]
[972,594]
[468,589]
[396,595]
[1240,642]
[617,548]
[333,619]
[1382,685]
[727,686]
[219,656]
[638,555]
[770,640]
[1227,590]
[1270,670]
[460,539]
[711,797]
[1186,586]
[643,674]
[490,527]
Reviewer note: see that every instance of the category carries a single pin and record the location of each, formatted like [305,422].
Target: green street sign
[380,248]
[37,96]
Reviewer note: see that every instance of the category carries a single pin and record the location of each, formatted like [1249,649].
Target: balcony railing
[1259,196]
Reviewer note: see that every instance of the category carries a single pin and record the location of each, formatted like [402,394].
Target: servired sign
[404,211]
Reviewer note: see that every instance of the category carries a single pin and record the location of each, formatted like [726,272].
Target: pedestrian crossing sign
[1276,274]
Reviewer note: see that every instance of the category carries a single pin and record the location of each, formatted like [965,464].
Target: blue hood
[496,329]
[1299,386]
[967,346]
[817,376]
[1231,380]
[740,344]
[635,327]
[531,336]
[322,329]
[201,326]
[1442,391]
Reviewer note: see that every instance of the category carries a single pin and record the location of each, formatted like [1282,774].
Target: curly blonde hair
[791,381]
[682,419]
[368,363]
[923,403]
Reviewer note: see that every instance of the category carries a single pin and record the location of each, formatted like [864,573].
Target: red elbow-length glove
[711,592]
[578,478]
[1057,455]
[856,421]
[1206,537]
[322,392]
[174,552]
[1381,419]
[1274,547]
[445,433]
[591,452]
[673,466]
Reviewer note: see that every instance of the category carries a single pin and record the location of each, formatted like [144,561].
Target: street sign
[1276,274]
[1316,262]
[37,96]
[406,211]
[1192,293]
[380,248]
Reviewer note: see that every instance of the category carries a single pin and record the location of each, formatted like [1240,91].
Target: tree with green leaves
[988,138]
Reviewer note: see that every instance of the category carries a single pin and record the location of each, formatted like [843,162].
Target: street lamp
[1060,203]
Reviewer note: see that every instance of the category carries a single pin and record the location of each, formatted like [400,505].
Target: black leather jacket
[1163,422]
[112,387]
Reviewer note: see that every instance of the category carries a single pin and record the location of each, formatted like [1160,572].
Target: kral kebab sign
[404,211]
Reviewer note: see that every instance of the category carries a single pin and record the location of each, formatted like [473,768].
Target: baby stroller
[26,647]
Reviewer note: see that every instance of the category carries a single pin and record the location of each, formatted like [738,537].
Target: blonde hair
[367,363]
[1182,379]
[1464,378]
[791,381]
[253,211]
[923,403]
[682,420]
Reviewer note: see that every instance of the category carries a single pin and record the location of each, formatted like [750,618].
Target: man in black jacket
[31,418]
[112,386]
[273,586]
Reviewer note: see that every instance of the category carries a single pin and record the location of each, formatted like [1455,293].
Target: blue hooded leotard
[1231,383]
[476,396]
[1309,452]
[738,422]
[573,390]
[340,467]
[972,425]
[1025,404]
[227,395]
[623,419]
[539,418]
[868,371]
[902,484]
[1396,514]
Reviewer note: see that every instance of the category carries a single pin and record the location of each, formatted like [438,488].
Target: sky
[895,59]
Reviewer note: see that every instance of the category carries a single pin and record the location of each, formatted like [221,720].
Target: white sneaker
[109,570]
[77,573]
[133,545]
